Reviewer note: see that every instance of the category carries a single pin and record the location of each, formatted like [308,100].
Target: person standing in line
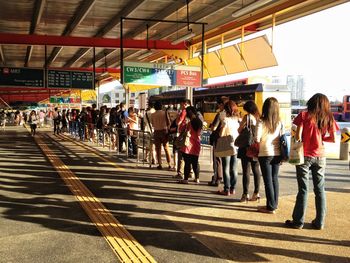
[267,135]
[94,116]
[250,120]
[229,126]
[191,151]
[150,152]
[33,120]
[41,118]
[64,121]
[121,124]
[133,127]
[215,129]
[314,126]
[181,122]
[56,121]
[160,127]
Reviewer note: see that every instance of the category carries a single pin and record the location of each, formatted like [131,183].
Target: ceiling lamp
[248,8]
[183,38]
[145,55]
[190,34]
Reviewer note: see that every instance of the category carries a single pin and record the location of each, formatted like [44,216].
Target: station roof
[70,28]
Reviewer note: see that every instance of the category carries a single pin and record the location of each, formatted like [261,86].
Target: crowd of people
[314,126]
[184,128]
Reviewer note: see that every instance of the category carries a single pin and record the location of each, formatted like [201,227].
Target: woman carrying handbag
[226,150]
[314,126]
[249,121]
[268,136]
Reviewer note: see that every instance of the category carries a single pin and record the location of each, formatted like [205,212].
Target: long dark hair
[319,110]
[271,114]
[196,123]
[252,108]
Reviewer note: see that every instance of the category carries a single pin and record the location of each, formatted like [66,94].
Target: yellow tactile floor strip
[123,244]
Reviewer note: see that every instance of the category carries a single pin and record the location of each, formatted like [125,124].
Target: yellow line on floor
[120,240]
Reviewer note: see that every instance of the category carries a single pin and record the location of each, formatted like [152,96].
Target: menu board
[21,77]
[63,79]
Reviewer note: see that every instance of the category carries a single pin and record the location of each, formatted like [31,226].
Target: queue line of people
[315,126]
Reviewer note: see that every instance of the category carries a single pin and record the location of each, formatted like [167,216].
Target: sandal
[182,181]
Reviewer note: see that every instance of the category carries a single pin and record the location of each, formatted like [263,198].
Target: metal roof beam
[128,8]
[111,43]
[167,11]
[200,15]
[235,25]
[37,13]
[133,33]
[82,11]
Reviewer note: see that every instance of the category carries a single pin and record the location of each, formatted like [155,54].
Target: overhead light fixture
[248,8]
[183,38]
[145,55]
[190,33]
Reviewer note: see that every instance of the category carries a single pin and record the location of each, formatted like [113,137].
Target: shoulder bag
[284,146]
[183,139]
[245,138]
[225,145]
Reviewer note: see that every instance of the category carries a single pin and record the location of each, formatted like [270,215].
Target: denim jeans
[270,166]
[317,166]
[229,168]
[248,163]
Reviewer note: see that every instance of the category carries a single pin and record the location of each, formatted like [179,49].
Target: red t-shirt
[311,135]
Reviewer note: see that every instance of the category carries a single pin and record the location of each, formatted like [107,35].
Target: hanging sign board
[161,74]
[21,77]
[64,79]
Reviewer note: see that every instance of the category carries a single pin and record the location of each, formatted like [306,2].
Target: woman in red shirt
[314,127]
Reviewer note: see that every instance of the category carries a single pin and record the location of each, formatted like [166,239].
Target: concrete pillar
[345,144]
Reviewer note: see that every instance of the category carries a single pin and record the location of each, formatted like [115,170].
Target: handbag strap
[149,124]
[281,130]
[248,124]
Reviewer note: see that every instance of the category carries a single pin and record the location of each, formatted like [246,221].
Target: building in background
[296,84]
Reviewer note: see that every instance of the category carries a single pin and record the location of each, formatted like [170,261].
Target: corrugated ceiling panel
[197,62]
[232,60]
[257,53]
[213,65]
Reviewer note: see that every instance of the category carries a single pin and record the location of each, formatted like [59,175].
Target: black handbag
[284,146]
[214,136]
[246,137]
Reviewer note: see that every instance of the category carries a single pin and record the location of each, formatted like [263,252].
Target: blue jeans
[230,174]
[317,166]
[270,166]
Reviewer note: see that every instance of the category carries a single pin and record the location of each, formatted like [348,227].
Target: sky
[316,46]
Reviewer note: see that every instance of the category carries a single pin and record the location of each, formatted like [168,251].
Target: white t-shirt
[269,143]
[230,126]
